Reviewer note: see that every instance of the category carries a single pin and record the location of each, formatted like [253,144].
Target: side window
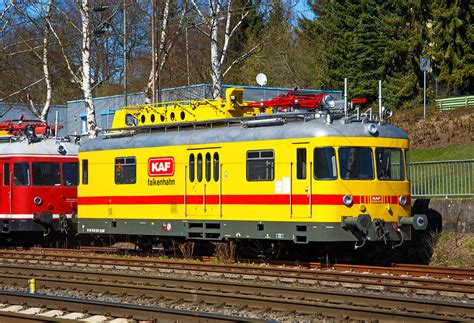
[6,174]
[208,167]
[70,174]
[260,165]
[301,163]
[125,170]
[199,167]
[192,168]
[85,171]
[216,167]
[21,174]
[325,163]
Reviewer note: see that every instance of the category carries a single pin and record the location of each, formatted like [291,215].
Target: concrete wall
[457,214]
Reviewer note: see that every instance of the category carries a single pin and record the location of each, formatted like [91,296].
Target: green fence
[457,102]
[451,178]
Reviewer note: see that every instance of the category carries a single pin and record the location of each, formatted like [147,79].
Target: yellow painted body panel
[232,182]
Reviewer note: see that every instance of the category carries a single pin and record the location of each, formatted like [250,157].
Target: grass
[454,250]
[455,152]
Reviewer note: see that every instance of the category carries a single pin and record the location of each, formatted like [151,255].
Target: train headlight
[402,200]
[37,200]
[347,199]
[372,129]
[62,150]
[329,101]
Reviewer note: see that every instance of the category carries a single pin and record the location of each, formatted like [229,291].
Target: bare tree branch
[75,78]
[10,4]
[249,53]
[32,106]
[21,90]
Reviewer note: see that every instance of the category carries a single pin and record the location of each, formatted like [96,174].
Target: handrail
[455,102]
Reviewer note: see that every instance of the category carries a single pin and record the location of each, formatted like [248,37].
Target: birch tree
[82,76]
[210,17]
[44,58]
[36,13]
[86,81]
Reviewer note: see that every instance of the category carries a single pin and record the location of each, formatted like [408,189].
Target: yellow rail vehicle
[286,177]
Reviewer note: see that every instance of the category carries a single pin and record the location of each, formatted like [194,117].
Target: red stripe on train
[280,199]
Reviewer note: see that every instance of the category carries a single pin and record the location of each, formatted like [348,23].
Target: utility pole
[153,58]
[425,66]
[187,52]
[102,28]
[125,58]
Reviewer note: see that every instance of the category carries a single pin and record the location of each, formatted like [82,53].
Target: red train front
[38,181]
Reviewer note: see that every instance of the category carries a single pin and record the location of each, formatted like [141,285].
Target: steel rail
[114,309]
[301,300]
[401,269]
[412,270]
[324,277]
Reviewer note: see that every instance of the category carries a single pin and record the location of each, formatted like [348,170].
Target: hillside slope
[441,129]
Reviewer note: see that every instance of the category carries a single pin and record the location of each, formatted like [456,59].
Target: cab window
[389,164]
[356,163]
[125,170]
[325,163]
[46,174]
[70,174]
[21,174]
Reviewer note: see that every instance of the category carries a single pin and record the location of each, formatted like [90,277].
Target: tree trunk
[47,75]
[216,73]
[86,68]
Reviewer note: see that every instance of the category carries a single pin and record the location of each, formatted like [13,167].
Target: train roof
[277,126]
[13,146]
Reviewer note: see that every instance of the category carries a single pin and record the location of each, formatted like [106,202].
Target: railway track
[249,295]
[344,276]
[51,308]
[395,269]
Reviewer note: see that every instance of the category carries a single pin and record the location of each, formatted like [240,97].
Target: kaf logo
[161,166]
[376,199]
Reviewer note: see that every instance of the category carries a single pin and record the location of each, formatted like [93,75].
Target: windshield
[46,174]
[356,163]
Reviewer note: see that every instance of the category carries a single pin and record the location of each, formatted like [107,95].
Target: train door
[203,185]
[20,181]
[301,182]
[4,187]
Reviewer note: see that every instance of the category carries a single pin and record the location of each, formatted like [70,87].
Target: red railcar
[38,180]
